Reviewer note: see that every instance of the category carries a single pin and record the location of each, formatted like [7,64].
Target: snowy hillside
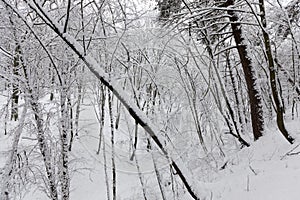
[268,170]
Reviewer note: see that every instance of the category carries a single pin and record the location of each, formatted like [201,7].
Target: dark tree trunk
[249,72]
[15,86]
[273,77]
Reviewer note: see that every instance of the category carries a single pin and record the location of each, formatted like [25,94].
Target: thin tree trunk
[118,115]
[273,77]
[113,163]
[228,105]
[6,117]
[135,140]
[105,169]
[102,116]
[65,118]
[15,74]
[236,96]
[9,168]
[158,176]
[70,110]
[191,93]
[140,177]
[78,104]
[15,85]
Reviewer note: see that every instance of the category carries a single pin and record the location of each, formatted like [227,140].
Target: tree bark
[249,73]
[113,163]
[15,85]
[273,77]
[64,175]
[42,142]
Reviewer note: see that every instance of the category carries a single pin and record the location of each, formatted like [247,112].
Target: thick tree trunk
[249,72]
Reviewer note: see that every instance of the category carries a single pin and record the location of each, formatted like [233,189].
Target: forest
[149,99]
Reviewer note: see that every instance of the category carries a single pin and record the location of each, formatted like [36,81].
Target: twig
[290,153]
[254,172]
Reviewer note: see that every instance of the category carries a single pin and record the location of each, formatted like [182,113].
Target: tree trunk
[64,175]
[101,107]
[113,163]
[236,96]
[42,142]
[140,177]
[9,172]
[15,86]
[249,72]
[44,150]
[70,109]
[273,78]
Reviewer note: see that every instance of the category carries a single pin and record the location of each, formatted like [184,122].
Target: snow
[268,170]
[261,172]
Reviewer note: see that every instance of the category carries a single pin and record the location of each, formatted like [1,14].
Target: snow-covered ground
[268,170]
